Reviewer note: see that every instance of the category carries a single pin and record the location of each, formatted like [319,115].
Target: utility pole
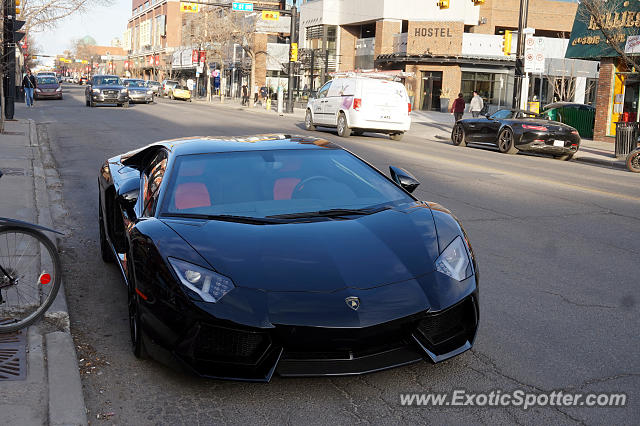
[519,71]
[293,56]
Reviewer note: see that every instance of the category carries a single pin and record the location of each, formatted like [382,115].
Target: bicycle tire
[46,301]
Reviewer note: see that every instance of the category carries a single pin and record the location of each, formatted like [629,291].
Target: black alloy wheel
[458,136]
[506,143]
[135,330]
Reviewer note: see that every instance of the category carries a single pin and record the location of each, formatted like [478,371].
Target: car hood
[139,89]
[324,256]
[108,87]
[48,86]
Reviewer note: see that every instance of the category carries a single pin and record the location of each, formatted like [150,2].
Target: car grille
[227,344]
[110,93]
[444,331]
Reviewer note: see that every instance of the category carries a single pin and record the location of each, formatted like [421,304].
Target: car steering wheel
[299,187]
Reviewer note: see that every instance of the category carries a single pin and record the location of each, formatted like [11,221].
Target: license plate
[558,143]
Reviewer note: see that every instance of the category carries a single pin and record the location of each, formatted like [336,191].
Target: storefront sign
[436,38]
[433,32]
[587,40]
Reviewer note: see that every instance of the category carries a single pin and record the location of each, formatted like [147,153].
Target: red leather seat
[191,195]
[283,188]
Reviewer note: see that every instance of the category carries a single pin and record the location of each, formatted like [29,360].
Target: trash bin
[626,138]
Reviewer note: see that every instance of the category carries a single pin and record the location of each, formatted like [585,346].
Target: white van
[359,104]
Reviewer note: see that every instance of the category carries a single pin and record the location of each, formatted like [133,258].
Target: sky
[101,23]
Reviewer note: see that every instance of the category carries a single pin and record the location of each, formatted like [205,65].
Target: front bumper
[47,95]
[109,98]
[223,349]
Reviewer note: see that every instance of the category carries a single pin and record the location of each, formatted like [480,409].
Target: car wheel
[135,329]
[308,121]
[396,136]
[105,250]
[565,157]
[343,128]
[633,161]
[506,143]
[189,99]
[458,136]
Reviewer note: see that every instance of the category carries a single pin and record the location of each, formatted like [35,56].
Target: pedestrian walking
[476,105]
[29,83]
[245,95]
[457,109]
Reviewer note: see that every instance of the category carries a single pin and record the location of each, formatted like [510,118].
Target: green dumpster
[579,116]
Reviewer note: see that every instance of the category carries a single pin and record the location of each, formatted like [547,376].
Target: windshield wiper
[331,213]
[225,218]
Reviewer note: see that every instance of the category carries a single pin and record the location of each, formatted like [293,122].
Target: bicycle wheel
[30,276]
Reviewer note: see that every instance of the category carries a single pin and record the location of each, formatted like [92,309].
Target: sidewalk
[46,388]
[259,108]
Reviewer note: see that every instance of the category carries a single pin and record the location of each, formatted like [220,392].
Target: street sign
[534,60]
[270,15]
[189,7]
[294,52]
[242,7]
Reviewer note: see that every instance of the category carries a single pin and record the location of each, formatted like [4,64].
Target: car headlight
[207,284]
[59,89]
[37,90]
[95,90]
[454,261]
[124,90]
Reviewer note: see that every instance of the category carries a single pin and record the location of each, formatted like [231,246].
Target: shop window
[492,87]
[368,30]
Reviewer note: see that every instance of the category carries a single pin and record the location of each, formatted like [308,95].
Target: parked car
[155,86]
[83,80]
[513,130]
[181,92]
[167,87]
[138,90]
[106,89]
[359,104]
[48,87]
[286,255]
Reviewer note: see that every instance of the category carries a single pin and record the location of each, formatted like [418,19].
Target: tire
[343,128]
[396,136]
[506,143]
[105,249]
[458,136]
[308,121]
[135,329]
[633,161]
[189,99]
[44,250]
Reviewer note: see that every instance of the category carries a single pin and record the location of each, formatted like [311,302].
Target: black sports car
[246,257]
[512,130]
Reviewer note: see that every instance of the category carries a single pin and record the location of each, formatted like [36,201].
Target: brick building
[618,93]
[443,51]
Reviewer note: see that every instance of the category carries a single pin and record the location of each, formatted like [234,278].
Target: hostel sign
[587,40]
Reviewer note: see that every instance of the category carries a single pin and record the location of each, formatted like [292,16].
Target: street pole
[9,52]
[293,37]
[517,82]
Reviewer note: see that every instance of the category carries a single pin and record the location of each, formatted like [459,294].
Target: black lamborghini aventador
[245,257]
[512,130]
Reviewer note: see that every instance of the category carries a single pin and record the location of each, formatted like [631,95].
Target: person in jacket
[476,104]
[457,109]
[29,83]
[245,95]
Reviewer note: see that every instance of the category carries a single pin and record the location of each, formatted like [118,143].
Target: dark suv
[106,89]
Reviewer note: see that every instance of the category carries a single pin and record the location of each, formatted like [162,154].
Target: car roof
[212,145]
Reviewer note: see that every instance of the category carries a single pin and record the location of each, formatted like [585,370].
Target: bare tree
[608,17]
[41,15]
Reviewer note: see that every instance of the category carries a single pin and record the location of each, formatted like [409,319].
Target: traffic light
[506,42]
[17,7]
[443,4]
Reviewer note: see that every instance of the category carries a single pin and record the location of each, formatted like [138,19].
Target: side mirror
[404,178]
[128,201]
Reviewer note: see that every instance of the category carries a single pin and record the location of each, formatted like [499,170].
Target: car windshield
[136,83]
[503,113]
[261,184]
[47,80]
[107,81]
[153,83]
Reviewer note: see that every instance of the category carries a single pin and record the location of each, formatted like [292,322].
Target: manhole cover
[13,359]
[13,133]
[12,171]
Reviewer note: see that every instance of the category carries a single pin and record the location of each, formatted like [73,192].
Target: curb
[611,163]
[66,401]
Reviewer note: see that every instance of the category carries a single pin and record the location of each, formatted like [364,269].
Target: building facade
[442,51]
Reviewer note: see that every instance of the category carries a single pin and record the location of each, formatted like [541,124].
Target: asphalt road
[557,244]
